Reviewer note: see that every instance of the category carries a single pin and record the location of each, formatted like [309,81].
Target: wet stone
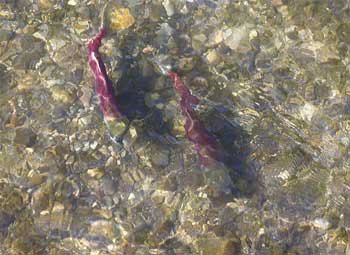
[218,246]
[169,183]
[61,94]
[7,80]
[272,78]
[156,11]
[212,56]
[25,136]
[35,177]
[95,172]
[346,213]
[216,37]
[72,2]
[108,185]
[193,179]
[5,35]
[198,41]
[321,223]
[5,221]
[117,127]
[187,64]
[30,51]
[127,178]
[141,233]
[81,26]
[151,99]
[160,157]
[121,18]
[237,38]
[46,4]
[343,32]
[104,228]
[219,181]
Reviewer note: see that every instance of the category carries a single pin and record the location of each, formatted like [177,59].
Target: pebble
[307,111]
[35,177]
[25,136]
[60,94]
[103,227]
[108,185]
[121,18]
[216,38]
[187,64]
[169,8]
[46,4]
[277,2]
[95,173]
[212,56]
[234,36]
[160,158]
[321,223]
[72,2]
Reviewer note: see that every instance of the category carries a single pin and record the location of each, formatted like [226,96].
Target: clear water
[272,79]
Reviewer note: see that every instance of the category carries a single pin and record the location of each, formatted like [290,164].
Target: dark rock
[25,136]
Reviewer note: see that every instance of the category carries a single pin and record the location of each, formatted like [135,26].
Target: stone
[72,2]
[104,228]
[5,221]
[198,41]
[307,111]
[109,187]
[212,56]
[35,177]
[95,172]
[218,246]
[25,136]
[216,37]
[117,127]
[121,18]
[327,54]
[187,64]
[237,37]
[61,94]
[160,157]
[277,2]
[46,4]
[169,8]
[321,223]
[81,25]
[5,35]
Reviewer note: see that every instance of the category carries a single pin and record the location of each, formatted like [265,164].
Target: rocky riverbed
[272,77]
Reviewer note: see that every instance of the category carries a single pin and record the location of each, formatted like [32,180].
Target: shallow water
[272,77]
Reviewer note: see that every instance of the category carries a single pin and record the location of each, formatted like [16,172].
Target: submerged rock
[218,246]
[160,157]
[25,136]
[272,78]
[121,18]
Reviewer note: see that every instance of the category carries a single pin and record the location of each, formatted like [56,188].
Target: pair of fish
[207,147]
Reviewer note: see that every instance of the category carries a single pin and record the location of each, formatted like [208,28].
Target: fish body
[114,118]
[207,147]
